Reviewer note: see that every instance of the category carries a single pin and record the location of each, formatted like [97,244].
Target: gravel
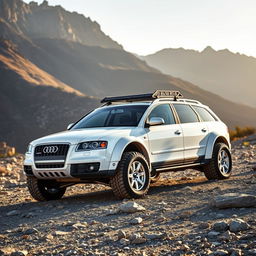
[177,216]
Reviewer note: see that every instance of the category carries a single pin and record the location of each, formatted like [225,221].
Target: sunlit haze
[146,26]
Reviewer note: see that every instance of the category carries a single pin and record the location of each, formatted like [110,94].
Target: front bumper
[92,164]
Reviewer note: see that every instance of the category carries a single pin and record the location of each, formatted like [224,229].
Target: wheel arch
[129,145]
[138,147]
[222,139]
[213,139]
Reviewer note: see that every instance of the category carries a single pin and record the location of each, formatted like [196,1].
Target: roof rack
[144,97]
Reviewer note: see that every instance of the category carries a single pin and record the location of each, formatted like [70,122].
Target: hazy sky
[146,26]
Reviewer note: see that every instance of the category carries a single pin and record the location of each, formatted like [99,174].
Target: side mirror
[155,121]
[70,125]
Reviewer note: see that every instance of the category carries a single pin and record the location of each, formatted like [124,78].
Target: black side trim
[194,160]
[178,163]
[167,164]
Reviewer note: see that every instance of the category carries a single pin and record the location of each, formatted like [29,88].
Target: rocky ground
[183,214]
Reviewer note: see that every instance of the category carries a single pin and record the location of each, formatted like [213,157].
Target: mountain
[231,75]
[36,21]
[49,79]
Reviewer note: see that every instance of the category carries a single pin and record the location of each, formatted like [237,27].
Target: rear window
[186,113]
[205,115]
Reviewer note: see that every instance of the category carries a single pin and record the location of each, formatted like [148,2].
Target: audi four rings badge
[50,149]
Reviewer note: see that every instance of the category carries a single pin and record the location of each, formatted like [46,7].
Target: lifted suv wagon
[127,143]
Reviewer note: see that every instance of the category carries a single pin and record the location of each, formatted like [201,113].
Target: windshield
[112,116]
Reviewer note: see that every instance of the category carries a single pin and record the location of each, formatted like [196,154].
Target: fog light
[91,168]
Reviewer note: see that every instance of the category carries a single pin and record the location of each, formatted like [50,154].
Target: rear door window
[186,113]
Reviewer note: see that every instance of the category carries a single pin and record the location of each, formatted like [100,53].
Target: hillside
[54,72]
[32,102]
[100,72]
[231,75]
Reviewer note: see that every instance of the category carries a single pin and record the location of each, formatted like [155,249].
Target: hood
[79,135]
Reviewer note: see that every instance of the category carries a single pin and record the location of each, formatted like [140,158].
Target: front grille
[49,166]
[51,152]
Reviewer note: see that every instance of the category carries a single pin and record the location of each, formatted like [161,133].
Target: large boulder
[234,200]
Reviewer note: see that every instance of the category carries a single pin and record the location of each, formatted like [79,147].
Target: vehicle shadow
[32,213]
[176,185]
[249,172]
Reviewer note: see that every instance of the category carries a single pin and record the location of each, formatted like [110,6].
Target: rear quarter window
[205,115]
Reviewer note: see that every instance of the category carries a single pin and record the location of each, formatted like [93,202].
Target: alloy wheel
[136,176]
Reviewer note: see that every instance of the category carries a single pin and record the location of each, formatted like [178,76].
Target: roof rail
[190,101]
[143,97]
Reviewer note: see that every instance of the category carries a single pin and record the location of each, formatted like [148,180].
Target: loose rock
[19,253]
[136,221]
[139,240]
[236,252]
[204,225]
[220,253]
[252,252]
[226,236]
[152,236]
[121,234]
[131,207]
[79,225]
[213,234]
[60,233]
[238,225]
[220,226]
[124,241]
[13,213]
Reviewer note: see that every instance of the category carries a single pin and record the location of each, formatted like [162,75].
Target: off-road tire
[38,191]
[212,170]
[120,183]
[155,178]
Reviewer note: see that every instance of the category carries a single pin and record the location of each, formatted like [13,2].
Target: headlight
[29,149]
[92,145]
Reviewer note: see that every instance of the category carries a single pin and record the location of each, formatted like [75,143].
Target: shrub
[241,132]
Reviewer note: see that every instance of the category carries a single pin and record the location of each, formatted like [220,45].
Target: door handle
[204,130]
[178,132]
